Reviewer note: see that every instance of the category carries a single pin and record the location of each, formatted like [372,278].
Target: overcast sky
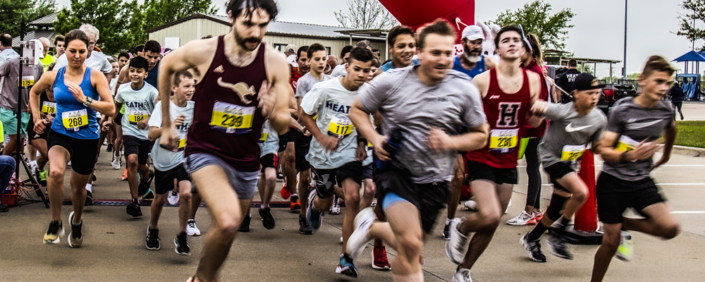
[598,31]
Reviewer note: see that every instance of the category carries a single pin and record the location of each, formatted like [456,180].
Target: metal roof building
[45,28]
[279,34]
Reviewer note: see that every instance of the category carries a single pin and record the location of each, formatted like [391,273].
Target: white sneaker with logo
[522,219]
[192,228]
[173,198]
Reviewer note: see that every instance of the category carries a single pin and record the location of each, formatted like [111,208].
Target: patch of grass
[691,133]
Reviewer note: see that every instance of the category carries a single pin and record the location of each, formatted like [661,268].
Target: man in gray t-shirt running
[574,126]
[427,104]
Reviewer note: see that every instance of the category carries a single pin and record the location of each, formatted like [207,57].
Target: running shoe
[538,215]
[267,218]
[446,231]
[149,195]
[181,244]
[314,218]
[116,163]
[295,203]
[625,251]
[524,218]
[458,243]
[76,236]
[54,233]
[124,175]
[379,259]
[461,275]
[245,224]
[285,192]
[534,249]
[557,245]
[335,208]
[41,177]
[360,236]
[469,205]
[192,228]
[143,187]
[89,197]
[346,266]
[134,209]
[152,241]
[304,228]
[173,198]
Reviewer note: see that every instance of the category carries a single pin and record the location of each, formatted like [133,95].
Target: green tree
[688,21]
[365,14]
[109,17]
[13,10]
[536,17]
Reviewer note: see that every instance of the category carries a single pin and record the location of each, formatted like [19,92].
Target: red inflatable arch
[415,13]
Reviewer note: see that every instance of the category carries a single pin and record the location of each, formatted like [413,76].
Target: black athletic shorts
[429,198]
[267,161]
[83,152]
[118,119]
[141,148]
[302,145]
[285,138]
[368,171]
[557,171]
[478,171]
[31,135]
[611,203]
[164,180]
[326,179]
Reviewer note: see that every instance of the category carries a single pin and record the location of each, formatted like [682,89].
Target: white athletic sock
[89,187]
[416,277]
[448,220]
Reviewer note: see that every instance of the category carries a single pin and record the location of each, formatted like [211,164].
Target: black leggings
[533,194]
[677,106]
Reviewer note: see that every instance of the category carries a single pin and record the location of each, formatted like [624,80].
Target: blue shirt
[478,69]
[74,119]
[388,66]
[153,76]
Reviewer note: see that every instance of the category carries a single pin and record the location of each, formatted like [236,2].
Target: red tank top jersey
[506,116]
[226,121]
[543,96]
[294,79]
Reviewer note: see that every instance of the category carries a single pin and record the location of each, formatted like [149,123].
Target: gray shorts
[244,183]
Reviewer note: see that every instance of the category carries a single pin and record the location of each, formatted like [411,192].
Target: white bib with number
[74,121]
[229,118]
[572,153]
[504,140]
[340,127]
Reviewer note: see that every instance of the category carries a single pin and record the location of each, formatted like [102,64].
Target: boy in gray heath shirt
[427,104]
[630,141]
[574,126]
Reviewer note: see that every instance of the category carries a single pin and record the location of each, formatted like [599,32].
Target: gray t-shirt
[269,140]
[306,83]
[569,133]
[633,124]
[331,102]
[139,105]
[97,61]
[10,72]
[406,103]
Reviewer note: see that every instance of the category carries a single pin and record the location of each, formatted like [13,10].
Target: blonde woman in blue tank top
[79,92]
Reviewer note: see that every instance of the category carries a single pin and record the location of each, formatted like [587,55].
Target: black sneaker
[446,231]
[89,198]
[134,209]
[54,233]
[534,249]
[143,187]
[76,236]
[149,195]
[304,228]
[557,246]
[181,244]
[245,225]
[41,176]
[152,242]
[267,219]
[346,266]
[110,148]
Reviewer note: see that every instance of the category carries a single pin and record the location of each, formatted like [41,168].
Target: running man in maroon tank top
[508,93]
[242,83]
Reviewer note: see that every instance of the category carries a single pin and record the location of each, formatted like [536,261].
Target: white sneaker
[33,166]
[335,208]
[116,163]
[173,198]
[469,205]
[625,251]
[522,219]
[458,243]
[462,275]
[192,228]
[359,238]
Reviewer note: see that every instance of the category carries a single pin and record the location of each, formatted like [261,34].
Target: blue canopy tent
[690,79]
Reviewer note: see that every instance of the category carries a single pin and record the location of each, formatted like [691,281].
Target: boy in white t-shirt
[168,165]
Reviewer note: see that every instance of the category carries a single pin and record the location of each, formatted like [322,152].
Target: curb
[689,151]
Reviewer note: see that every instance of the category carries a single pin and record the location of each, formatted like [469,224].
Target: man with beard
[242,83]
[472,62]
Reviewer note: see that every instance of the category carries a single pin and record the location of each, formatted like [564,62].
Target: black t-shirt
[46,106]
[565,81]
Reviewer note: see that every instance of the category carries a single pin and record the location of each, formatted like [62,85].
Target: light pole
[624,62]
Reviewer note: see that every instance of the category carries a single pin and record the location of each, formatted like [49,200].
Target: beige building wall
[197,28]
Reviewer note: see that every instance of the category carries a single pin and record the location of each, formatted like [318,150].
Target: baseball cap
[586,81]
[291,48]
[473,32]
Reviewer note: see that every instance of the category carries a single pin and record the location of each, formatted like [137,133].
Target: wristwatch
[89,100]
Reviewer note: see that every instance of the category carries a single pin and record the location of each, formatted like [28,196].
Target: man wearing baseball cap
[573,128]
[472,62]
[290,52]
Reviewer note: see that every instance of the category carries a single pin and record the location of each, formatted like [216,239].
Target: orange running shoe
[124,176]
[295,203]
[285,192]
